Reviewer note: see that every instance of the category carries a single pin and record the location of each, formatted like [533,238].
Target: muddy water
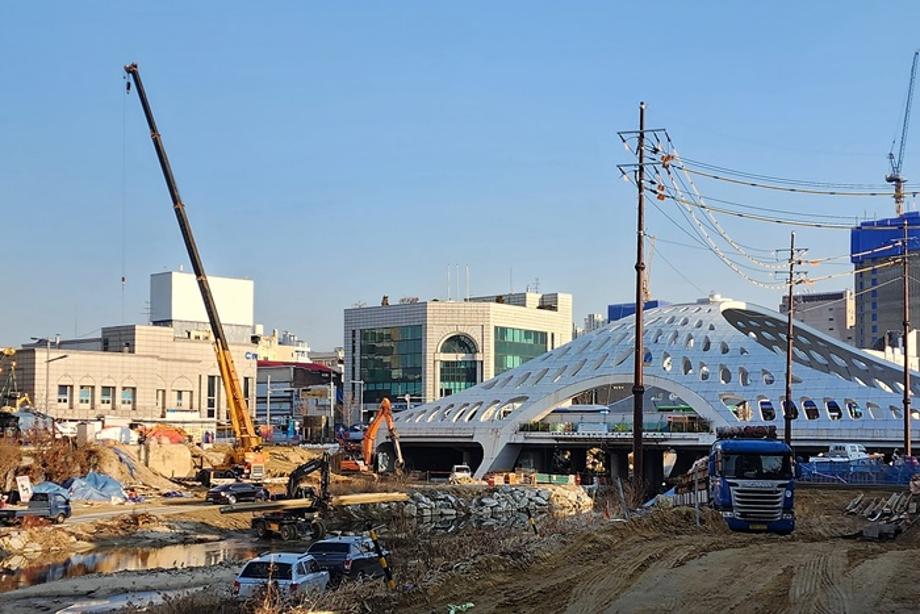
[242,548]
[110,560]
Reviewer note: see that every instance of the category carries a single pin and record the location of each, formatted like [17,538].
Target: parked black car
[347,556]
[235,493]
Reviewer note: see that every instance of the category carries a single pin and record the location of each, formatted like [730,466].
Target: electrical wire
[840,300]
[786,181]
[678,271]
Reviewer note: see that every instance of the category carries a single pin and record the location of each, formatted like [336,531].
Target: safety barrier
[863,472]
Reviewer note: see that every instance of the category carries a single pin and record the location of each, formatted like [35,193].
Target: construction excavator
[246,452]
[366,463]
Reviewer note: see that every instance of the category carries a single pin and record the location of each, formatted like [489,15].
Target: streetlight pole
[360,399]
[268,402]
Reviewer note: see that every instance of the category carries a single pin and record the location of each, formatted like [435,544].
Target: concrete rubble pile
[888,516]
[493,502]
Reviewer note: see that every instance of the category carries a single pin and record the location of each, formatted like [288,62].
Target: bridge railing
[659,426]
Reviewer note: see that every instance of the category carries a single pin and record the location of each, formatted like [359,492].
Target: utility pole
[906,292]
[788,409]
[638,388]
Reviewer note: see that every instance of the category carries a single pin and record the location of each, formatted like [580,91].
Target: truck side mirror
[798,471]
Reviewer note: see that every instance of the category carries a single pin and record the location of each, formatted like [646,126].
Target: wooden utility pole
[789,405]
[906,296]
[638,388]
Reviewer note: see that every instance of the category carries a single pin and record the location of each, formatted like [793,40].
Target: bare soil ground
[660,562]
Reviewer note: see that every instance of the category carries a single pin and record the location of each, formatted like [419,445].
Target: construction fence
[864,472]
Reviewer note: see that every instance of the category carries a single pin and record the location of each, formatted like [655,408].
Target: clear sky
[335,152]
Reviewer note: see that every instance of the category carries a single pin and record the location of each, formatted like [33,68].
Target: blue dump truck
[748,477]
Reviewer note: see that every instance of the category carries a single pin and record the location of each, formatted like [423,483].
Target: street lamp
[360,399]
[48,361]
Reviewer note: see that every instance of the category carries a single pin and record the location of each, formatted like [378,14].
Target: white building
[429,350]
[832,313]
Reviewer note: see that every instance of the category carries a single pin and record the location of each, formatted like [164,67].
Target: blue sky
[337,152]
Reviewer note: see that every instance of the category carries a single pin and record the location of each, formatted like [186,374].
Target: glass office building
[515,346]
[391,362]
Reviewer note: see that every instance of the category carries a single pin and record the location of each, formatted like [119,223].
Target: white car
[459,473]
[293,574]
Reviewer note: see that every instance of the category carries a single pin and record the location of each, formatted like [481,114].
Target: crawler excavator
[384,414]
[246,452]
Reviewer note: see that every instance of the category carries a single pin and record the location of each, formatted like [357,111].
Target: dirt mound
[282,460]
[120,462]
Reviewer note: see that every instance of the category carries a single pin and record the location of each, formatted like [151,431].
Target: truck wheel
[231,499]
[60,518]
[288,532]
[317,529]
[261,530]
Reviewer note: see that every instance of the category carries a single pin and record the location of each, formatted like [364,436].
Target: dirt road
[670,565]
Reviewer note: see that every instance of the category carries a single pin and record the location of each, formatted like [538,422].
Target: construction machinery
[299,512]
[897,162]
[384,414]
[248,442]
[304,519]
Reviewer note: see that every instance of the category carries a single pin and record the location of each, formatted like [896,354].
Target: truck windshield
[757,466]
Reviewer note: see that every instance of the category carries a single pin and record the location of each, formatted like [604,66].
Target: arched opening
[853,409]
[739,407]
[811,410]
[767,412]
[458,366]
[833,409]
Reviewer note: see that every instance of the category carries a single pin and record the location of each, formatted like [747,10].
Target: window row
[832,410]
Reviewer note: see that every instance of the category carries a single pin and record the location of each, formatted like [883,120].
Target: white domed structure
[724,359]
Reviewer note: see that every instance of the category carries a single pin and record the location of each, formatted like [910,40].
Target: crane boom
[240,418]
[897,162]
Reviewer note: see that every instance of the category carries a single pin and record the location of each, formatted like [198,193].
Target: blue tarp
[94,487]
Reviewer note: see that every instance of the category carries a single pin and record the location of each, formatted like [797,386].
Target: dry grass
[59,459]
[10,459]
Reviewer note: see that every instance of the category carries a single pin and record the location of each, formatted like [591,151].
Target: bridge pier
[618,462]
[653,469]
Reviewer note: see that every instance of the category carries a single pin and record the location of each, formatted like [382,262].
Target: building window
[515,346]
[86,397]
[161,399]
[391,362]
[213,399]
[183,399]
[247,389]
[458,344]
[128,396]
[107,393]
[457,375]
[65,396]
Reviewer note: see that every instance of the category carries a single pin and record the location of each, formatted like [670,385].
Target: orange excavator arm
[384,414]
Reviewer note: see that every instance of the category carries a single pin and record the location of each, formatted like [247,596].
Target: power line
[677,270]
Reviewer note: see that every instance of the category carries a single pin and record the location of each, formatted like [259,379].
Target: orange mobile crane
[248,441]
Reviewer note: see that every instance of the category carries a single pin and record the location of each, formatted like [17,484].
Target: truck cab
[751,483]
